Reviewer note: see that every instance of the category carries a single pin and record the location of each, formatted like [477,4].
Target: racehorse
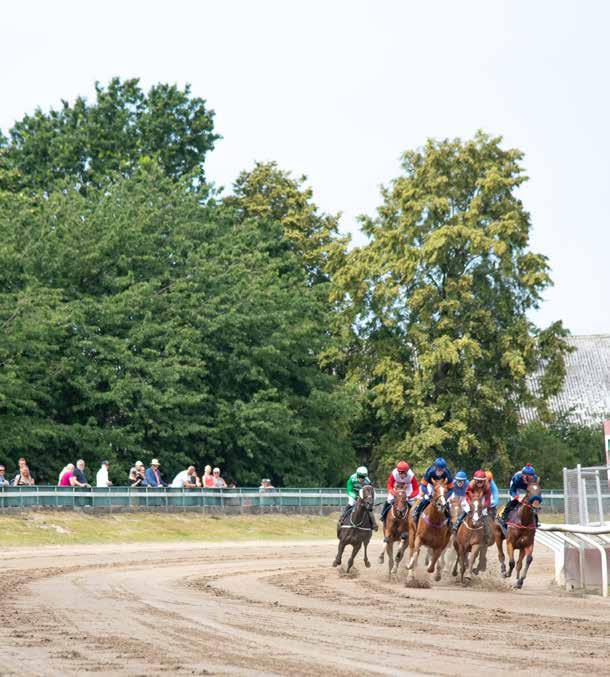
[521,532]
[357,527]
[396,528]
[470,539]
[431,530]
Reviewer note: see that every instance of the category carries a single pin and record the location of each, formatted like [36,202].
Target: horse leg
[474,551]
[389,548]
[434,559]
[501,558]
[414,555]
[380,560]
[337,561]
[456,562]
[367,563]
[510,551]
[482,565]
[350,561]
[401,552]
[528,560]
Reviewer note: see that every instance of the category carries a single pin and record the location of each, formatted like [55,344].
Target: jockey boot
[385,510]
[346,511]
[537,520]
[419,508]
[458,521]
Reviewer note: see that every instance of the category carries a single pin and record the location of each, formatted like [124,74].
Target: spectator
[207,479]
[187,479]
[23,478]
[101,479]
[66,476]
[3,481]
[153,476]
[266,485]
[78,476]
[61,474]
[219,483]
[137,475]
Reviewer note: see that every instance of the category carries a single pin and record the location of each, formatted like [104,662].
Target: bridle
[400,513]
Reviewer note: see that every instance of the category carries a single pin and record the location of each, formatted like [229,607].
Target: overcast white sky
[338,89]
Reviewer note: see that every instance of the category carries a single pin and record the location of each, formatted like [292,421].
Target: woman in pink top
[207,479]
[64,480]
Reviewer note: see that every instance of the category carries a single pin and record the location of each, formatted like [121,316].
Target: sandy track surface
[280,608]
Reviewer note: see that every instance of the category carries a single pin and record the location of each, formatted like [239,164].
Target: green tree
[85,143]
[137,321]
[437,307]
[269,195]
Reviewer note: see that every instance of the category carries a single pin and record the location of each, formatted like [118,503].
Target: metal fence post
[600,505]
[585,502]
[579,489]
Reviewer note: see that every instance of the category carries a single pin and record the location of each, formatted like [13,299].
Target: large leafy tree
[136,321]
[85,143]
[438,303]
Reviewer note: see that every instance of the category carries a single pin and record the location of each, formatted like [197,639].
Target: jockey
[480,486]
[437,471]
[460,484]
[520,481]
[495,494]
[355,483]
[401,477]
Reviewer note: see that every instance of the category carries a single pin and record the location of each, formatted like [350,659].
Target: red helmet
[480,475]
[402,466]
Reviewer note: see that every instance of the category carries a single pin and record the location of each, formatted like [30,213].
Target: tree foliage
[85,143]
[438,302]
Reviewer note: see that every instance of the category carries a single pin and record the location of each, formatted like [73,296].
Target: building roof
[585,396]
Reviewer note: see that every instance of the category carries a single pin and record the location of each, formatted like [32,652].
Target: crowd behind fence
[238,500]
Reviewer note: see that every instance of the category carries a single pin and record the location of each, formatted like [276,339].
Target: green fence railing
[216,500]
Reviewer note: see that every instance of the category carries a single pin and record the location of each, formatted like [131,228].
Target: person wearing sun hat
[153,475]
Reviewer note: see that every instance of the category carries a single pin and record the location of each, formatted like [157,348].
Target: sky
[338,90]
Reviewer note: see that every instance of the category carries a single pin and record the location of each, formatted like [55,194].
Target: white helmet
[362,471]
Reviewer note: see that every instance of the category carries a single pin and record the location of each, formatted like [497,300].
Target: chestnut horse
[470,540]
[521,532]
[432,530]
[396,529]
[357,527]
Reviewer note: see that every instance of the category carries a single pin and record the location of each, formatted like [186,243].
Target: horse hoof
[518,585]
[475,571]
[437,577]
[367,564]
[380,560]
[336,564]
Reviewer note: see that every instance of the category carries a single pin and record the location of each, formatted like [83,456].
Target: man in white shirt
[187,479]
[102,476]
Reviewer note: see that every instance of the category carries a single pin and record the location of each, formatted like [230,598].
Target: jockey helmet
[402,466]
[479,476]
[528,470]
[461,476]
[362,471]
[440,463]
[489,475]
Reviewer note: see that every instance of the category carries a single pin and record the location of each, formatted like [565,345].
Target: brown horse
[470,539]
[396,529]
[357,527]
[431,530]
[521,532]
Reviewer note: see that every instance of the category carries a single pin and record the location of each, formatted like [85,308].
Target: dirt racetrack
[280,608]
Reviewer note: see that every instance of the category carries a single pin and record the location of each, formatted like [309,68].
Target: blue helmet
[528,470]
[461,475]
[440,463]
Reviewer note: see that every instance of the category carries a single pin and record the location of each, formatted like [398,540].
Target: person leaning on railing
[24,479]
[4,482]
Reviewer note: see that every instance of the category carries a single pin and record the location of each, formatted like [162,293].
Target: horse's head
[475,512]
[533,498]
[367,496]
[400,501]
[439,494]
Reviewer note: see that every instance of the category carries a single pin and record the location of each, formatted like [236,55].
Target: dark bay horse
[431,530]
[356,528]
[469,540]
[521,532]
[396,528]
